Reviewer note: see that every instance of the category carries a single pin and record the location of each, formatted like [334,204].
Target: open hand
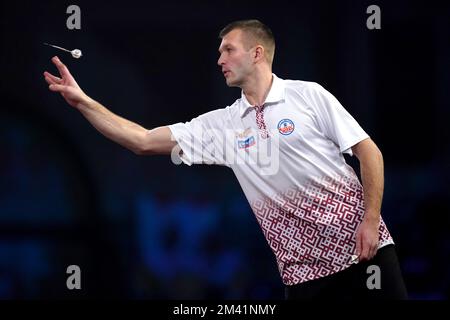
[65,84]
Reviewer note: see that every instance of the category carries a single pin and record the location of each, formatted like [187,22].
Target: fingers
[364,252]
[362,247]
[57,88]
[368,250]
[51,79]
[63,71]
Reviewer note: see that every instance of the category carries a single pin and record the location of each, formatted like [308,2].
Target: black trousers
[357,282]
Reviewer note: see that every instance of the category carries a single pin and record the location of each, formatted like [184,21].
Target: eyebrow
[228,45]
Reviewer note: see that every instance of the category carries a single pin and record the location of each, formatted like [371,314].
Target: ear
[259,53]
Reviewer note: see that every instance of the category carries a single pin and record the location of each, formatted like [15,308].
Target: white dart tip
[76,53]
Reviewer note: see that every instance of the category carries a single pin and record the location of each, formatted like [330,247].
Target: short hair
[258,33]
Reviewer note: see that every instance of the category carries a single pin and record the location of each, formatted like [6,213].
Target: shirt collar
[276,94]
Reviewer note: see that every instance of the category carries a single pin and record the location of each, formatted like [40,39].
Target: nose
[220,61]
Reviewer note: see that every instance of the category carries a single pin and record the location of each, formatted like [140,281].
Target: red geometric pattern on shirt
[312,230]
[260,121]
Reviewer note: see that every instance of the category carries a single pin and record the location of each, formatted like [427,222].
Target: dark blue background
[142,227]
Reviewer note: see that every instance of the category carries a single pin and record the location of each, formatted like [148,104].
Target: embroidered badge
[286,127]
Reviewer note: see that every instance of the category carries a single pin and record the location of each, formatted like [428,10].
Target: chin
[231,83]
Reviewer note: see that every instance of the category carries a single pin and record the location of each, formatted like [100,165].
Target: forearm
[124,132]
[372,175]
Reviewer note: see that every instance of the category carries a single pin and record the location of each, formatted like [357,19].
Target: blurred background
[145,228]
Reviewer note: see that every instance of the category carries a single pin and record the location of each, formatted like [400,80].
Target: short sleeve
[202,140]
[333,119]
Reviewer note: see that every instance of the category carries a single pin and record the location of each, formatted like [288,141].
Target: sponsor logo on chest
[247,143]
[286,127]
[245,139]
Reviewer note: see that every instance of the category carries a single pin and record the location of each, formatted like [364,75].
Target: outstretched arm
[126,133]
[372,175]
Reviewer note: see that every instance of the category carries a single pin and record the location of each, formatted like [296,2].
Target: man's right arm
[122,131]
[127,133]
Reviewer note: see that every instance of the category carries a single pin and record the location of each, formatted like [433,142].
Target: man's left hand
[367,238]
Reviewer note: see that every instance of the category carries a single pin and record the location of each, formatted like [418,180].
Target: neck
[258,87]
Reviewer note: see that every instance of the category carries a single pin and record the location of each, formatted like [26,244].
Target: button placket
[260,121]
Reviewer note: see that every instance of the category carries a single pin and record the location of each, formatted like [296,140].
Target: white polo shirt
[288,159]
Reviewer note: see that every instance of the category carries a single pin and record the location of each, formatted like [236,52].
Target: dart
[76,53]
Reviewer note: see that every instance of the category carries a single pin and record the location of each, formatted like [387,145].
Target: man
[284,140]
